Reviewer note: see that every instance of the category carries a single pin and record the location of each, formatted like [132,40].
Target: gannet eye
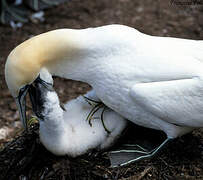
[23,89]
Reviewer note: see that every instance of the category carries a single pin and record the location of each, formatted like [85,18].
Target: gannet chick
[69,132]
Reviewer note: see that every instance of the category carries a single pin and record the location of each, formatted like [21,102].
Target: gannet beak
[21,104]
[35,99]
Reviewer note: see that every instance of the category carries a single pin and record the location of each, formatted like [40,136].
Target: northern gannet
[69,132]
[155,82]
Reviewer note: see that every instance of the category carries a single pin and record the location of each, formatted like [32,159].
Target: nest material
[25,157]
[18,154]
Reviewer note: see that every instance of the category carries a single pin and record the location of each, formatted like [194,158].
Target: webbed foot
[136,144]
[132,153]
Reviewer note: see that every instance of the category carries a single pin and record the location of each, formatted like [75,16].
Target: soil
[24,157]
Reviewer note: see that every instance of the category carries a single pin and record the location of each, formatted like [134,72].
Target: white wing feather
[171,89]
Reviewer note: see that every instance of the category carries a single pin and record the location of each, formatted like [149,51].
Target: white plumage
[69,132]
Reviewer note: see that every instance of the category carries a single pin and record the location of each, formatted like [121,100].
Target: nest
[26,158]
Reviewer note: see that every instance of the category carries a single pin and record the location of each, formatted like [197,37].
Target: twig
[143,173]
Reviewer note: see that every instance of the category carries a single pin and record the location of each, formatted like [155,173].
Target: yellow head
[20,70]
[33,57]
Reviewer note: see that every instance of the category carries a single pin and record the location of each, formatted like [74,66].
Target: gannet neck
[68,53]
[45,50]
[89,49]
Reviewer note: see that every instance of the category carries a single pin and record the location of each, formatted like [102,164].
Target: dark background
[183,160]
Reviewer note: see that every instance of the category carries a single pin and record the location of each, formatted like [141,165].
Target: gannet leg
[126,156]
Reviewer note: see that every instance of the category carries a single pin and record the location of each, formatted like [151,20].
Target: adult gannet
[68,132]
[155,82]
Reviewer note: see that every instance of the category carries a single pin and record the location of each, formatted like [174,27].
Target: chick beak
[21,104]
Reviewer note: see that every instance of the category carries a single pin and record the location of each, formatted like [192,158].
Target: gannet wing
[176,97]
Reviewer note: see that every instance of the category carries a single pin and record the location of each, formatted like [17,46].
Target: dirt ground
[184,157]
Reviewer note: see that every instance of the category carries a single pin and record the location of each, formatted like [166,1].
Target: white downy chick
[69,132]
